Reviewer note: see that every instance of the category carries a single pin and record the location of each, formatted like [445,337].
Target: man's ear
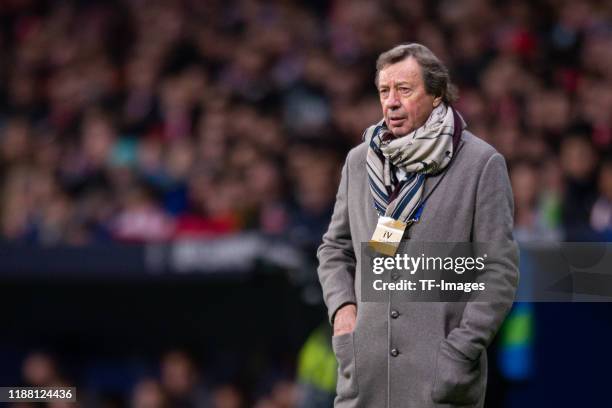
[437,101]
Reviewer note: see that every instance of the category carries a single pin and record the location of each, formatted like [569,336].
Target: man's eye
[405,90]
[383,91]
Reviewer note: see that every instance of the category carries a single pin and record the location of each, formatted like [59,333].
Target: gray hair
[435,74]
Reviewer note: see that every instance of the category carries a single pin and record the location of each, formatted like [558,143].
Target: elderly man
[418,163]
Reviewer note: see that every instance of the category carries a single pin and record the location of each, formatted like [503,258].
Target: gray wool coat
[439,354]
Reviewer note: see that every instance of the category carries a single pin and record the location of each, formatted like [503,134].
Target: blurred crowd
[143,120]
[176,381]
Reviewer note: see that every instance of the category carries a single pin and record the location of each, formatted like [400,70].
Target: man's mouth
[396,120]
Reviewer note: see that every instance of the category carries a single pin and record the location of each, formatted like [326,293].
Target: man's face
[405,103]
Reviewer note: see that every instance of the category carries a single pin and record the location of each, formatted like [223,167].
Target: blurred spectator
[314,177]
[601,213]
[532,205]
[40,370]
[284,394]
[181,382]
[148,394]
[578,160]
[140,218]
[227,396]
[317,370]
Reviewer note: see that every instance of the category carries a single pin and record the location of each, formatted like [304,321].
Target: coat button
[394,352]
[394,314]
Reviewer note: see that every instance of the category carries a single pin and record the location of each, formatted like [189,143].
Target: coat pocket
[458,380]
[344,349]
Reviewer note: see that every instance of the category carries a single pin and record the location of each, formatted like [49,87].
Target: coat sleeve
[493,224]
[336,255]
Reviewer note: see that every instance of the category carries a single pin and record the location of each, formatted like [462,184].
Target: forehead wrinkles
[403,71]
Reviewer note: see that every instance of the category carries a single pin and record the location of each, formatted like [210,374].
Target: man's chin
[399,131]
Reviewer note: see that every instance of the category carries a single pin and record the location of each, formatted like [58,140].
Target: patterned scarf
[425,151]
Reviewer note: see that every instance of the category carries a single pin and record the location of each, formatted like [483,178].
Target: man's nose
[392,100]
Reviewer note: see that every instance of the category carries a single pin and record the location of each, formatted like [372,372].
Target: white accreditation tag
[387,236]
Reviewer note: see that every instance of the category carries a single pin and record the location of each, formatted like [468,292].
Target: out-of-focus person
[181,382]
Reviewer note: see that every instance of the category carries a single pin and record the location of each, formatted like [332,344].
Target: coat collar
[431,182]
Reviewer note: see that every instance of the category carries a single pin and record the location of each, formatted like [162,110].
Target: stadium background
[168,168]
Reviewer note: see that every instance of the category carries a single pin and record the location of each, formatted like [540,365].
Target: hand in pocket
[458,380]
